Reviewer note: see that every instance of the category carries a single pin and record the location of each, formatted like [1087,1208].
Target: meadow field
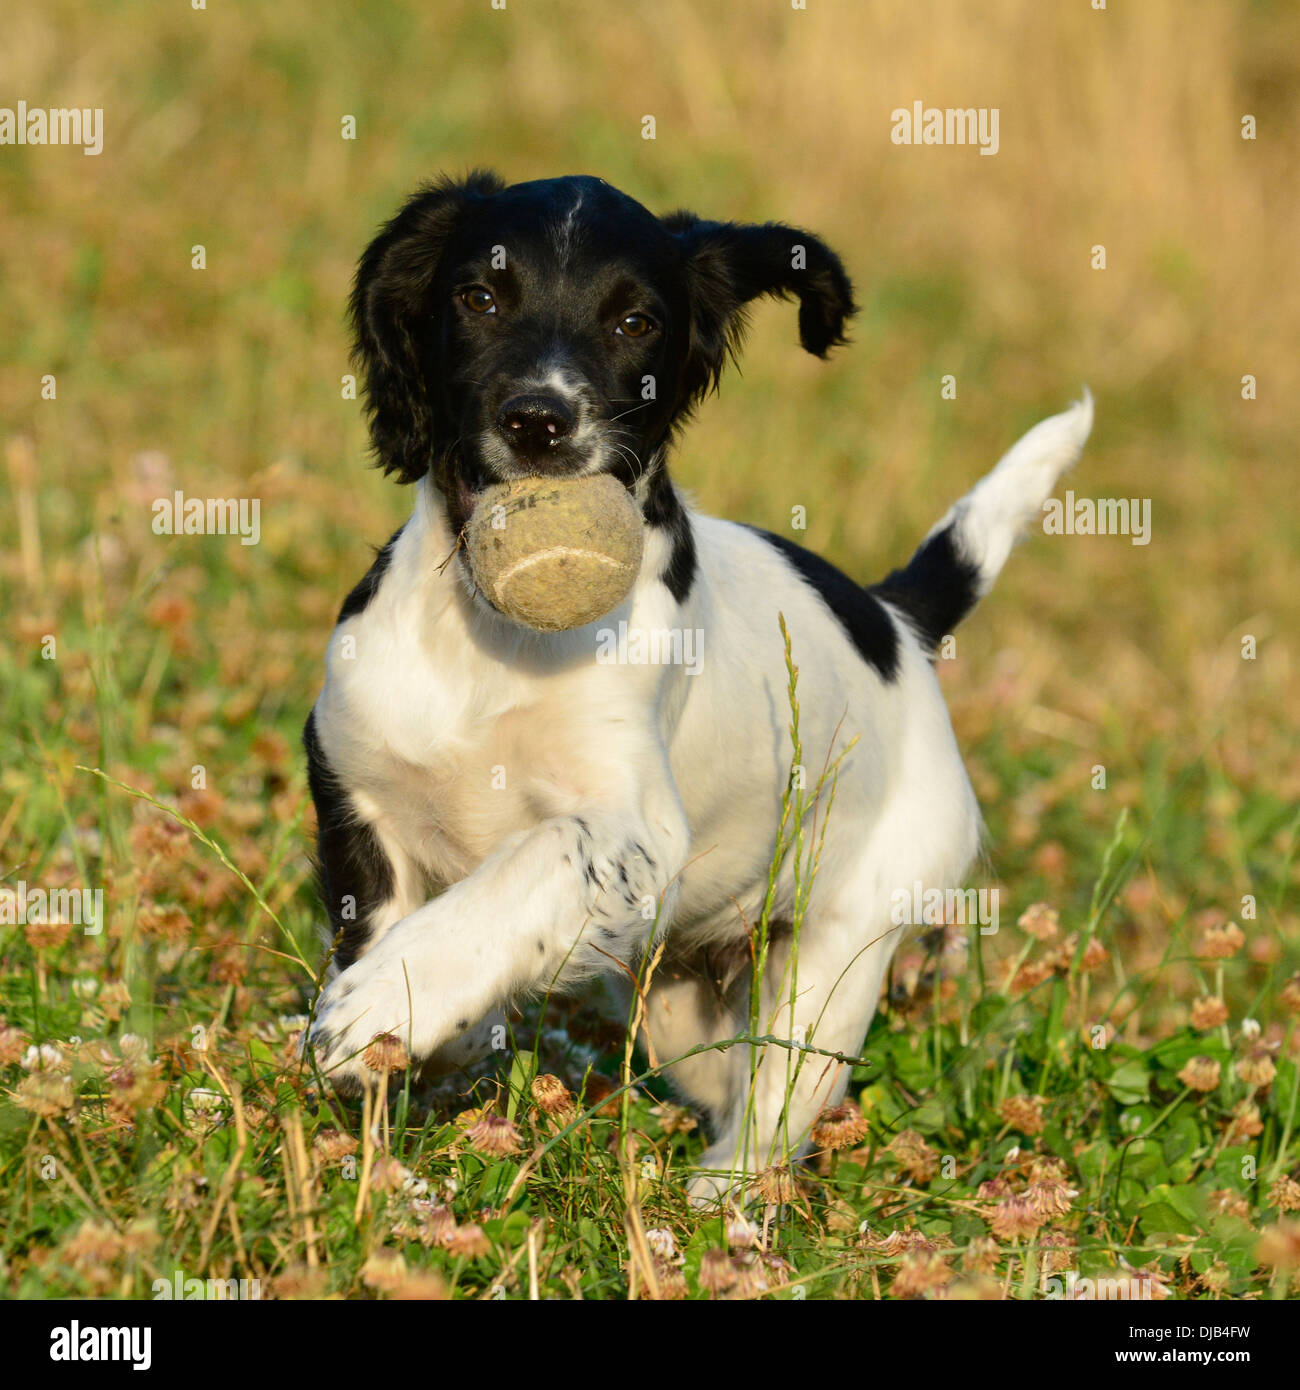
[1107,1087]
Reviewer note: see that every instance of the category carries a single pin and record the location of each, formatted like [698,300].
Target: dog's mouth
[465,486]
[466,492]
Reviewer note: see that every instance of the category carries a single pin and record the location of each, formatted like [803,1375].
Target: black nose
[534,424]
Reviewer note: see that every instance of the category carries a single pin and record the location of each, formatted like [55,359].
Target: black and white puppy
[505,812]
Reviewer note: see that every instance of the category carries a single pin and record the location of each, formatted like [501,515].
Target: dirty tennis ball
[555,553]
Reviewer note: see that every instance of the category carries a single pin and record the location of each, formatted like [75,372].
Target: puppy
[504,812]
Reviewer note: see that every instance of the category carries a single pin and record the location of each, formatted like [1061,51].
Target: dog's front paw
[365,1001]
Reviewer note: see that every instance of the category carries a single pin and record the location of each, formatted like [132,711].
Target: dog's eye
[634,326]
[478,300]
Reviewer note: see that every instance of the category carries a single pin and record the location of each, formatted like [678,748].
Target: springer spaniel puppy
[505,812]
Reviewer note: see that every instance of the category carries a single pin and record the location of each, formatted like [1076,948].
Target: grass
[1025,1107]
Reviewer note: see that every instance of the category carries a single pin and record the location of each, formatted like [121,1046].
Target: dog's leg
[836,980]
[372,884]
[683,1010]
[927,835]
[572,898]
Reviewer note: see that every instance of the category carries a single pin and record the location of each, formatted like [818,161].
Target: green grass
[984,1065]
[182,1132]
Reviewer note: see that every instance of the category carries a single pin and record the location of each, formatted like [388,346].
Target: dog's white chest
[449,750]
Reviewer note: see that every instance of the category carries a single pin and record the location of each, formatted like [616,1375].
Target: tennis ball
[555,553]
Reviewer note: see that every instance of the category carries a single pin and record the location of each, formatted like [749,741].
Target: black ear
[729,263]
[389,298]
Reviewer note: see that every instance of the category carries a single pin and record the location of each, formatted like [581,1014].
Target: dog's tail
[962,556]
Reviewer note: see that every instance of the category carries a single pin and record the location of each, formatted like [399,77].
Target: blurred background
[1120,128]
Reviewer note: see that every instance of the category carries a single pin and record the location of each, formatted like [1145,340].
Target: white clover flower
[742,1234]
[661,1243]
[43,1057]
[202,1107]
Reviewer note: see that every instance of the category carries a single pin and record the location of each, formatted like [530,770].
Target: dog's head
[560,327]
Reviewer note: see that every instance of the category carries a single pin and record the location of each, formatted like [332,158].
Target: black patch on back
[663,508]
[935,589]
[359,599]
[862,616]
[350,861]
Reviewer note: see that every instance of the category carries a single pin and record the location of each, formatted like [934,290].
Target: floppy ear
[389,298]
[729,263]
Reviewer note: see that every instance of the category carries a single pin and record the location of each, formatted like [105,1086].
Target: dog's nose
[534,424]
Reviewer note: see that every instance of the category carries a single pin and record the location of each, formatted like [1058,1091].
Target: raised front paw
[365,1001]
[394,989]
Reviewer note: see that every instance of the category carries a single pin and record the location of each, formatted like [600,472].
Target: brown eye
[634,326]
[478,300]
